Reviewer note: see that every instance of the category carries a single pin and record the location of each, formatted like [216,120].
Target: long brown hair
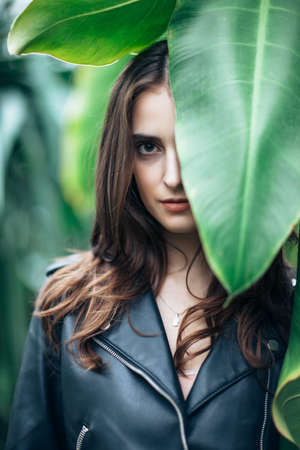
[128,253]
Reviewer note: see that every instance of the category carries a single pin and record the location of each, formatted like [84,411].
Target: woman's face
[156,164]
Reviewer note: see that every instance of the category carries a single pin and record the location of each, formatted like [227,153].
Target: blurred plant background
[37,222]
[50,125]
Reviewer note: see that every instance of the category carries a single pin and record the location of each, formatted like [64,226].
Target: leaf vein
[288,11]
[290,50]
[282,86]
[224,8]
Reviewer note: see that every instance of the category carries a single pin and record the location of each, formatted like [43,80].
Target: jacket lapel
[153,353]
[223,366]
[226,365]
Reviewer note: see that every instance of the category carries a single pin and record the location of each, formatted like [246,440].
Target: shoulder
[49,311]
[63,262]
[60,276]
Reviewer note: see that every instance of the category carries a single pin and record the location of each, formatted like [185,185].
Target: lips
[176,205]
[174,200]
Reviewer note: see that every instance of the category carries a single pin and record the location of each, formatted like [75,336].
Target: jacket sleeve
[36,418]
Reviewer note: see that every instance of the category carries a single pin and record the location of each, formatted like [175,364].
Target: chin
[180,229]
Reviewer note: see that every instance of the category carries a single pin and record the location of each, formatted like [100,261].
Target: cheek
[144,190]
[146,182]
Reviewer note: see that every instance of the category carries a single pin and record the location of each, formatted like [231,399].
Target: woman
[129,346]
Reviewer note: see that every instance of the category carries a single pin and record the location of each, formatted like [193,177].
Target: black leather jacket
[137,403]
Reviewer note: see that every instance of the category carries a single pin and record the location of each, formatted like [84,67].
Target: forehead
[154,111]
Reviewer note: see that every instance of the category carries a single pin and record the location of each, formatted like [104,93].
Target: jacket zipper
[81,436]
[154,385]
[266,404]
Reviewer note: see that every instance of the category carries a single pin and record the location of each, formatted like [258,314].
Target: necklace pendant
[176,320]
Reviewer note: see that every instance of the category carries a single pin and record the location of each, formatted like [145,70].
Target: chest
[192,366]
[187,381]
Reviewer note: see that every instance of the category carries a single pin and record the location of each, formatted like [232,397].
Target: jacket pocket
[81,437]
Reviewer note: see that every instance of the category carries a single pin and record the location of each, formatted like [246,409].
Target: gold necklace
[176,319]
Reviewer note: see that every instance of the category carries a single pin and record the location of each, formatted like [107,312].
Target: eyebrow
[146,136]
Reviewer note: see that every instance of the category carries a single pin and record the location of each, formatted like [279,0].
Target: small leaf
[286,405]
[87,31]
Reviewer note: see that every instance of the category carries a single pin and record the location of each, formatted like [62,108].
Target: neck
[200,273]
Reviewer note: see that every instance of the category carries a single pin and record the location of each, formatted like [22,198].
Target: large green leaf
[234,72]
[286,405]
[88,31]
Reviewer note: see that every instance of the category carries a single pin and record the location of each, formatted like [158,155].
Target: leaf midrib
[250,157]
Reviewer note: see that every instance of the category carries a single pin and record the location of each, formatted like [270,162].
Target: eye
[146,148]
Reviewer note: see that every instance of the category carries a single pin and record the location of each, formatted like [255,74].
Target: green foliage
[233,73]
[82,130]
[36,222]
[97,33]
[237,130]
[286,404]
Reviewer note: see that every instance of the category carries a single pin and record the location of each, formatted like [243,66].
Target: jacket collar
[153,355]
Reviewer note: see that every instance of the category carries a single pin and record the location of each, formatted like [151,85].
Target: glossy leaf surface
[89,32]
[234,69]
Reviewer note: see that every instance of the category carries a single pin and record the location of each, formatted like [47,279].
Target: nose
[172,173]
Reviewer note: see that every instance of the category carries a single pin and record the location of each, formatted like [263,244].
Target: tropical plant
[33,91]
[234,77]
